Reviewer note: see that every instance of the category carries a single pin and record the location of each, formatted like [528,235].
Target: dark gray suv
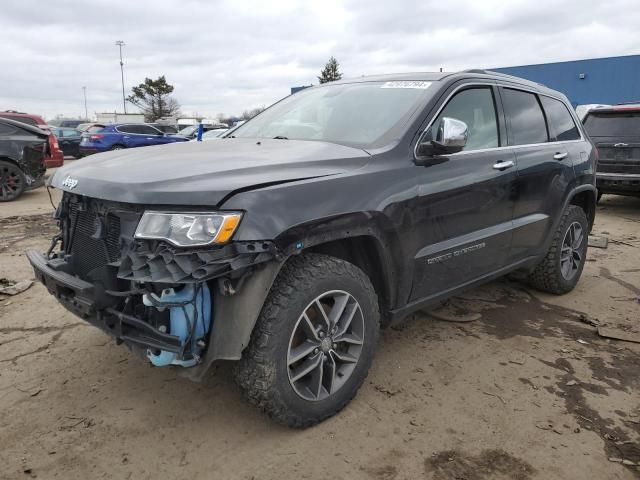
[340,209]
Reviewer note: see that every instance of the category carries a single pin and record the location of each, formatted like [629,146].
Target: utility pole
[86,115]
[121,44]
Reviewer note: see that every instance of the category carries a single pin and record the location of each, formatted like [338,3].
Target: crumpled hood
[202,173]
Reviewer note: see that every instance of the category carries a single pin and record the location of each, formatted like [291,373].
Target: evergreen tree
[330,72]
[153,98]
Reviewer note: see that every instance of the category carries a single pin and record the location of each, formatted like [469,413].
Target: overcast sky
[234,55]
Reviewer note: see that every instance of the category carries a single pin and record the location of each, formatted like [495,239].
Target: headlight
[188,229]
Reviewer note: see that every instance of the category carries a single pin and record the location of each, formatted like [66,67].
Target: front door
[465,204]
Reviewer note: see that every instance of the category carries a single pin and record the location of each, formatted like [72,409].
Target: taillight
[95,138]
[54,142]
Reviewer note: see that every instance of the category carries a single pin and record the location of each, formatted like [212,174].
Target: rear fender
[590,208]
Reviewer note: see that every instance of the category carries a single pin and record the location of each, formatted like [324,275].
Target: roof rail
[500,74]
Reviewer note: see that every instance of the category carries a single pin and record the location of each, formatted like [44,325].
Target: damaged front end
[157,298]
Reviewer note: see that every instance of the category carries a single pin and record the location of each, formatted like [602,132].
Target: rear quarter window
[524,117]
[561,125]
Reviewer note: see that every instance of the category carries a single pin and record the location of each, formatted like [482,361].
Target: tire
[267,372]
[117,147]
[12,181]
[551,274]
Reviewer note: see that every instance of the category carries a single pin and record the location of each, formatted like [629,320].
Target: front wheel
[313,344]
[562,266]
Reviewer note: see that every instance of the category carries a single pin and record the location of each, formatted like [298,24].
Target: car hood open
[203,173]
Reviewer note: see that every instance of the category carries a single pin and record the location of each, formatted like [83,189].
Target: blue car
[100,138]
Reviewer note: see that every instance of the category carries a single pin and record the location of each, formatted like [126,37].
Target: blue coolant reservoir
[181,318]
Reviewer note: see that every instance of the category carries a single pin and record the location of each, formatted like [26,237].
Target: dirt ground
[527,390]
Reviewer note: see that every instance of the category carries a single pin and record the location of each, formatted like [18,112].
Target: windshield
[619,124]
[356,114]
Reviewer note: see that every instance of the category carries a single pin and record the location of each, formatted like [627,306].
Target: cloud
[231,56]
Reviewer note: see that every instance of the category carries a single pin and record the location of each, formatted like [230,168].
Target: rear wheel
[313,344]
[561,268]
[12,181]
[117,147]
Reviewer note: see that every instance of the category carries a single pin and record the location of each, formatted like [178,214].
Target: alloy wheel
[10,182]
[325,345]
[571,251]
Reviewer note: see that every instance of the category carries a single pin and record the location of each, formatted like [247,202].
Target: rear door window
[561,125]
[128,129]
[148,130]
[618,124]
[524,117]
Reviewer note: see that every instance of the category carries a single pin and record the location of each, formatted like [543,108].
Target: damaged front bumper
[79,297]
[180,306]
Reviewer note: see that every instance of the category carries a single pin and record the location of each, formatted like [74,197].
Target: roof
[436,76]
[25,126]
[615,109]
[13,113]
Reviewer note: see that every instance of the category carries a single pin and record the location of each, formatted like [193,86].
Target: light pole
[86,115]
[121,44]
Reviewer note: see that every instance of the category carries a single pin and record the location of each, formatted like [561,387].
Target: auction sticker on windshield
[407,84]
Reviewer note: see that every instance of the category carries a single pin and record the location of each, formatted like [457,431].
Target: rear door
[465,202]
[130,136]
[545,171]
[151,135]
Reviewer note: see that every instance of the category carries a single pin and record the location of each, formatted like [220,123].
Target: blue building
[599,80]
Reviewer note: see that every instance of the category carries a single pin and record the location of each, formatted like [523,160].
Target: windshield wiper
[280,137]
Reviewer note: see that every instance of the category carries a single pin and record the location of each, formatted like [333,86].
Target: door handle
[503,165]
[560,156]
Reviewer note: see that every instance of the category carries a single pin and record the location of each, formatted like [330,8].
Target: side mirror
[451,137]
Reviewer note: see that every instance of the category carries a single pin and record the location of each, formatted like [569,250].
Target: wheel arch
[585,197]
[367,253]
[4,158]
[365,239]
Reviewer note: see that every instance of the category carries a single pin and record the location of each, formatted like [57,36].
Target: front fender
[234,318]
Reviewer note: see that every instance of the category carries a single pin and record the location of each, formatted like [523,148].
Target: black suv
[341,208]
[23,149]
[616,134]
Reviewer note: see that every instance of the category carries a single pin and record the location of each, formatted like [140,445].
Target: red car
[54,157]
